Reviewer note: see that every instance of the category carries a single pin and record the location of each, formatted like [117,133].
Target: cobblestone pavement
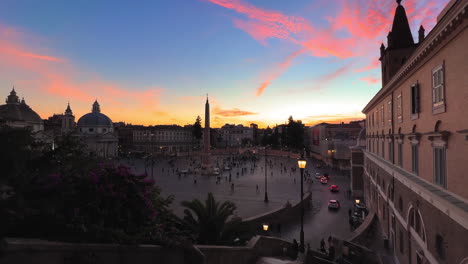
[281,184]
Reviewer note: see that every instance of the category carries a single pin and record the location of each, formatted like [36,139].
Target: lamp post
[266,187]
[302,164]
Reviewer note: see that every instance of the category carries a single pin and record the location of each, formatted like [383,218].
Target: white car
[333,204]
[318,175]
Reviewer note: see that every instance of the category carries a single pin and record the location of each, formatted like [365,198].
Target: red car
[334,188]
[323,180]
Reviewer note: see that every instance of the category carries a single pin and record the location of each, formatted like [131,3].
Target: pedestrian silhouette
[322,245]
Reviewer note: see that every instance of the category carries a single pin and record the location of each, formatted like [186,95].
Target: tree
[15,152]
[197,129]
[210,220]
[295,134]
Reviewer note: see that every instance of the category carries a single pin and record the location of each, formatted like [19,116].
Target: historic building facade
[161,139]
[95,129]
[16,113]
[415,161]
[231,135]
[330,142]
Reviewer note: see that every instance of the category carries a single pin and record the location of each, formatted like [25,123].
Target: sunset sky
[153,61]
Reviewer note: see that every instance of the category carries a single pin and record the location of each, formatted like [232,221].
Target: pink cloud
[374,64]
[57,79]
[277,71]
[366,21]
[370,80]
[335,74]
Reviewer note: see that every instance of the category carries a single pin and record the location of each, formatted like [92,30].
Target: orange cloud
[231,112]
[332,119]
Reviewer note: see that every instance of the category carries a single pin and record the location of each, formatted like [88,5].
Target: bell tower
[68,121]
[400,45]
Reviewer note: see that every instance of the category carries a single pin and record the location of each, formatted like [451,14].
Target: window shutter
[416,89]
[442,88]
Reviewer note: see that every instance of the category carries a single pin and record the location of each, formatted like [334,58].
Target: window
[376,117]
[378,149]
[91,129]
[390,151]
[400,154]
[399,109]
[415,101]
[402,244]
[440,247]
[382,115]
[389,111]
[383,149]
[415,158]
[438,90]
[440,166]
[400,204]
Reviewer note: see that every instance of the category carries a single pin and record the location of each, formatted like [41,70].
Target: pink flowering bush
[107,204]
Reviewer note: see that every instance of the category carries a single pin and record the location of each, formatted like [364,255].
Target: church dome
[14,110]
[95,118]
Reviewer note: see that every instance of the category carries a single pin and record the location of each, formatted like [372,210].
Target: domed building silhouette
[16,113]
[97,132]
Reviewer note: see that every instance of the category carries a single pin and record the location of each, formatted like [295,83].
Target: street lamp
[266,188]
[302,164]
[265,227]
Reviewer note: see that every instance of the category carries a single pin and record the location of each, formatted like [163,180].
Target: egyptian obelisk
[206,163]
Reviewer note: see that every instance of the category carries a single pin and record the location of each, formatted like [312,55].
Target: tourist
[322,246]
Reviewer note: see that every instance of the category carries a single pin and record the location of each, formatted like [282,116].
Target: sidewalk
[377,245]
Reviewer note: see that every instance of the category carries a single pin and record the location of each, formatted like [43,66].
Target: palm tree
[211,222]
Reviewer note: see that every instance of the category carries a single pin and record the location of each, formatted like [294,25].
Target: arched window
[416,222]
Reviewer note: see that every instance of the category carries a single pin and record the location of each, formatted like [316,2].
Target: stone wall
[27,251]
[19,251]
[227,255]
[281,215]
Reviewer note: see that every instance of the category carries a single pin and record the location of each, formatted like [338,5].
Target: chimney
[421,34]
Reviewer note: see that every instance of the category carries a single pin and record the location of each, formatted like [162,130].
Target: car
[334,188]
[318,175]
[333,204]
[323,180]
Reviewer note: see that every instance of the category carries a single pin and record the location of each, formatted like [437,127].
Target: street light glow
[301,163]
